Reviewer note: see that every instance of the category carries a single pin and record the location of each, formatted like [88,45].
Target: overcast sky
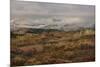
[74,13]
[22,7]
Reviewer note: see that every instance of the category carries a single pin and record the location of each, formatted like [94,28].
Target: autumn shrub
[18,61]
[32,61]
[29,52]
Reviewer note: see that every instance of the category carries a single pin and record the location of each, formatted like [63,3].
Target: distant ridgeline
[32,30]
[23,31]
[41,30]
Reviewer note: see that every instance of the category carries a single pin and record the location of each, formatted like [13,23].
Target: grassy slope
[53,47]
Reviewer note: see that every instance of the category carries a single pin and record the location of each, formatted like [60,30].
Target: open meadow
[52,47]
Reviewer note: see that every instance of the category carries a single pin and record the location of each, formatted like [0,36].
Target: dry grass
[53,47]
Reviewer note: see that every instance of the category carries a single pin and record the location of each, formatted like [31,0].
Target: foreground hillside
[53,47]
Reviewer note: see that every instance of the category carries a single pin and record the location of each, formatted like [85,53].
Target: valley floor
[53,47]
